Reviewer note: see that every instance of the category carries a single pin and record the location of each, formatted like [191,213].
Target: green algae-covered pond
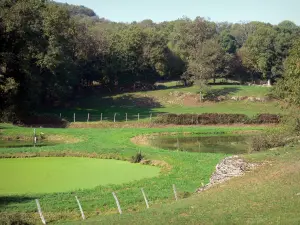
[62,174]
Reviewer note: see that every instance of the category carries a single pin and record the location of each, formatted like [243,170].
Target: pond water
[61,174]
[23,143]
[212,144]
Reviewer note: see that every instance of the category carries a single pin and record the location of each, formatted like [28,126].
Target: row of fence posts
[115,115]
[116,200]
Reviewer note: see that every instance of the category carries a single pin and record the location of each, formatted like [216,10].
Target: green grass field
[50,175]
[186,170]
[162,101]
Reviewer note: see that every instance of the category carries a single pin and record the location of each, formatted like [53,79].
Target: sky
[271,11]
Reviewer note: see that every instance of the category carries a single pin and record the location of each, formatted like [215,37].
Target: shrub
[215,118]
[266,118]
[204,119]
[265,141]
[44,120]
[137,158]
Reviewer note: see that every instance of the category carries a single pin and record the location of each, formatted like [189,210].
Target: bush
[215,118]
[266,118]
[265,141]
[137,158]
[43,120]
[203,119]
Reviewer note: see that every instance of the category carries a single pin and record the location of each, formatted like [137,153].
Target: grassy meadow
[169,97]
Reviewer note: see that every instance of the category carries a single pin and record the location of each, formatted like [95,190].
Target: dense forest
[51,52]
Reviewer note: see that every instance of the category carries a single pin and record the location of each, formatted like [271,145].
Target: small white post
[60,115]
[101,117]
[80,208]
[40,211]
[115,117]
[34,136]
[138,117]
[146,201]
[88,117]
[175,193]
[74,118]
[117,201]
[126,117]
[151,117]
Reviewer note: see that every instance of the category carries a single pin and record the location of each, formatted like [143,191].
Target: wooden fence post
[88,117]
[40,211]
[74,118]
[117,202]
[101,117]
[146,200]
[80,208]
[175,193]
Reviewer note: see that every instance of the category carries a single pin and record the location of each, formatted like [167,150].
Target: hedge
[215,118]
[43,120]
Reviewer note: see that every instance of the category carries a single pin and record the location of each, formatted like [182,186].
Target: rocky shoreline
[233,166]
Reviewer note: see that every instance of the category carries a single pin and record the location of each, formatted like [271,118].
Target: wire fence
[42,210]
[108,117]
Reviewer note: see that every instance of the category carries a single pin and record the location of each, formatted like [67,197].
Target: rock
[221,98]
[251,99]
[229,167]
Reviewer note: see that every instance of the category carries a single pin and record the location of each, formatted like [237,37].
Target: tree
[207,61]
[287,87]
[228,42]
[259,51]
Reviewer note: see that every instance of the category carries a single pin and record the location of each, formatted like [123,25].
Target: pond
[62,174]
[24,143]
[213,144]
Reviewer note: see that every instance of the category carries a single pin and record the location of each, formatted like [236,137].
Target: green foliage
[266,141]
[137,158]
[51,53]
[287,88]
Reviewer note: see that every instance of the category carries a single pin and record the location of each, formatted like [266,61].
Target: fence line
[92,199]
[112,117]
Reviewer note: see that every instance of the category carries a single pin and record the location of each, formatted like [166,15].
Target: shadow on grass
[108,107]
[5,200]
[213,94]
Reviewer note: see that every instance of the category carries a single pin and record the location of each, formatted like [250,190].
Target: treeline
[50,52]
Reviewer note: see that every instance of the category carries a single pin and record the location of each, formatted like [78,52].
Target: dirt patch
[165,166]
[232,166]
[61,154]
[246,132]
[52,138]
